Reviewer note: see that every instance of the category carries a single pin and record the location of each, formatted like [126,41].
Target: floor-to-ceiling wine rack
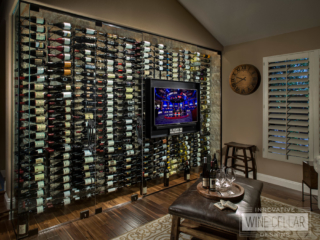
[79,110]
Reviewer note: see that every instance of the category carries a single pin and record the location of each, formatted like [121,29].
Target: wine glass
[230,175]
[221,178]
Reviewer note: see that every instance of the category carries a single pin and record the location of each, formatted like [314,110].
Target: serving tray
[235,194]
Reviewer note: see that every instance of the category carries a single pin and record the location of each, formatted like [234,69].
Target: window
[291,106]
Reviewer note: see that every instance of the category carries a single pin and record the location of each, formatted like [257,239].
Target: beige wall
[242,115]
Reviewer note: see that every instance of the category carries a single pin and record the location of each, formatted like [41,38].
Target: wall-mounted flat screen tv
[175,106]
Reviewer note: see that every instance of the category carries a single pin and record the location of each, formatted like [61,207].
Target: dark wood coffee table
[203,220]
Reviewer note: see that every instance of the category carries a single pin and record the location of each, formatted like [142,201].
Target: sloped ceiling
[237,21]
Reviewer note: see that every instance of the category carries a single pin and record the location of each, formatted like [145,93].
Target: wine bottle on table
[213,172]
[205,174]
[187,172]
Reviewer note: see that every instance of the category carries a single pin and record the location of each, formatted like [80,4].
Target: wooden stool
[310,178]
[244,158]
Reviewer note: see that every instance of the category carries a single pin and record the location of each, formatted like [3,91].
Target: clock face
[244,79]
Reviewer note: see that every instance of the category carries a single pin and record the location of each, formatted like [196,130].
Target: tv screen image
[175,106]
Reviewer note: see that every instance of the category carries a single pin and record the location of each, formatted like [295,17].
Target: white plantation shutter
[288,110]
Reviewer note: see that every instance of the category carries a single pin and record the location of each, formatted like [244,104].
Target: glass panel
[79,116]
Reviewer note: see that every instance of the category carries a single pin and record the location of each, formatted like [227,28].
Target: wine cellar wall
[79,115]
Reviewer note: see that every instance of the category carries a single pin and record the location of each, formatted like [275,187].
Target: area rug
[159,229]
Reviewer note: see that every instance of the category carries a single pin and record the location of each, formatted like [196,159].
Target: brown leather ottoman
[199,211]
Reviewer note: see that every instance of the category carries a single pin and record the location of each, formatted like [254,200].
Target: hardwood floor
[116,220]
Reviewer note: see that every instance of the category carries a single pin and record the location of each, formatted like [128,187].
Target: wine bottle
[62,25]
[61,64]
[35,36]
[205,174]
[65,41]
[37,20]
[187,171]
[87,31]
[36,28]
[61,48]
[213,176]
[40,45]
[63,56]
[160,46]
[62,33]
[166,176]
[88,39]
[143,185]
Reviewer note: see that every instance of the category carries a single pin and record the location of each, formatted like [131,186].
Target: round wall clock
[244,79]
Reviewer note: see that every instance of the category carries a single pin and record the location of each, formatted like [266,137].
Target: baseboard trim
[280,182]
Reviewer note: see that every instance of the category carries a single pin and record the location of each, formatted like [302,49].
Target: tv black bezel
[154,131]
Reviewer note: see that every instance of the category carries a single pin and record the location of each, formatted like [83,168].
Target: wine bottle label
[40,37]
[128,121]
[109,109]
[174,64]
[67,140]
[146,150]
[88,159]
[67,41]
[66,163]
[39,160]
[39,94]
[39,143]
[40,184]
[40,29]
[130,152]
[39,20]
[108,123]
[110,177]
[109,129]
[128,46]
[67,94]
[40,70]
[66,170]
[175,75]
[147,49]
[146,67]
[112,169]
[111,75]
[129,77]
[39,168]
[66,194]
[146,174]
[161,57]
[109,136]
[145,55]
[40,135]
[128,166]
[87,59]
[87,153]
[67,26]
[128,160]
[41,127]
[129,96]
[129,70]
[40,209]
[85,167]
[67,117]
[87,174]
[66,179]
[109,95]
[205,182]
[67,147]
[110,149]
[39,177]
[112,163]
[41,78]
[167,175]
[175,59]
[88,116]
[90,31]
[147,144]
[110,183]
[66,201]
[66,186]
[128,134]
[128,146]
[110,69]
[175,70]
[39,201]
[112,190]
[67,48]
[129,127]
[40,193]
